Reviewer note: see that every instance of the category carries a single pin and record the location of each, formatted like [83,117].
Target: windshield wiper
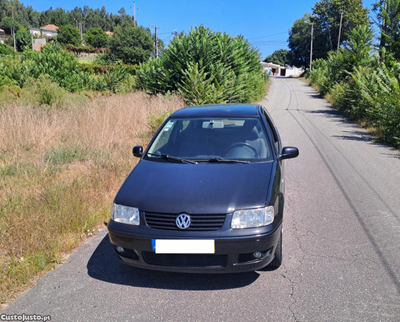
[222,160]
[171,158]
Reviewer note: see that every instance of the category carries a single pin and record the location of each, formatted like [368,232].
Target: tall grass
[59,171]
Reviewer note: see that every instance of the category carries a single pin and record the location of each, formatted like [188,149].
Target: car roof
[218,110]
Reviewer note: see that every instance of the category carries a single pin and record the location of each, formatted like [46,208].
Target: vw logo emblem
[183,221]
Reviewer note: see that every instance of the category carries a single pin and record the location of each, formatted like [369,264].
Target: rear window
[205,138]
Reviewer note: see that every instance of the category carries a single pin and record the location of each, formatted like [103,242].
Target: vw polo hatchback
[207,194]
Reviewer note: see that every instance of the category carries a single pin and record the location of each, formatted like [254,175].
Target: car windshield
[211,140]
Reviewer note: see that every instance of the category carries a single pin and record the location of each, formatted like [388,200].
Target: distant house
[278,70]
[2,36]
[110,33]
[38,44]
[47,31]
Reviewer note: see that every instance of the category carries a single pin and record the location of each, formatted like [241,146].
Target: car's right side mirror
[289,152]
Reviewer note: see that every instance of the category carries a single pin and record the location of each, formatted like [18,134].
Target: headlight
[125,215]
[251,218]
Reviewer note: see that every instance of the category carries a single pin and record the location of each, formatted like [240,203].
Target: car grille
[198,222]
[185,260]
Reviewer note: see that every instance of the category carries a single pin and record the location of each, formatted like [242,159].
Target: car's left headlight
[252,218]
[125,214]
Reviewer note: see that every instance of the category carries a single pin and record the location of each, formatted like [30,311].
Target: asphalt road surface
[341,242]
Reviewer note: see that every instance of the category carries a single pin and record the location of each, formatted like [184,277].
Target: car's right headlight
[125,214]
[252,218]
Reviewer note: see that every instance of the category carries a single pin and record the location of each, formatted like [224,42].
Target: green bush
[6,50]
[97,38]
[206,67]
[43,91]
[101,69]
[363,86]
[379,90]
[69,35]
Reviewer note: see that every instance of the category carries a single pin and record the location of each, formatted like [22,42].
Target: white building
[47,31]
[278,70]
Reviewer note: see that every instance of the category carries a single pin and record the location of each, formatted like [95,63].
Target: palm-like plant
[206,67]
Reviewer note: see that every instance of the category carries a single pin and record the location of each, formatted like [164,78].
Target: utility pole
[340,30]
[312,38]
[13,27]
[156,39]
[80,30]
[134,13]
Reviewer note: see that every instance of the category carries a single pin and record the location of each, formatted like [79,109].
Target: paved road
[341,242]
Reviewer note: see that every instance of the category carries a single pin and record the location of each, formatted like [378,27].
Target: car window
[205,138]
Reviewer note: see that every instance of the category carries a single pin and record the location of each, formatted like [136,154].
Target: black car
[207,194]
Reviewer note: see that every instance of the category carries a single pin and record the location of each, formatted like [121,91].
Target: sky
[265,23]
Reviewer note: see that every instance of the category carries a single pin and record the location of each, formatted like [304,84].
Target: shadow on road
[105,266]
[356,136]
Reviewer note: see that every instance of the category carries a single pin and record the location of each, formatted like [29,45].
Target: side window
[274,135]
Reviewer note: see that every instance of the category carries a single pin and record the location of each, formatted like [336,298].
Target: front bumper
[233,254]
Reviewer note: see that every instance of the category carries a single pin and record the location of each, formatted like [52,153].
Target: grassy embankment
[59,171]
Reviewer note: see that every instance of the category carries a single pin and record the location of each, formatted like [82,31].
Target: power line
[281,33]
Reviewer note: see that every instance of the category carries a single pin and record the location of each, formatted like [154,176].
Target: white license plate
[183,246]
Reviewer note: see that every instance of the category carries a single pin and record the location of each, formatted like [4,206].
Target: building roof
[110,33]
[50,27]
[1,30]
[222,110]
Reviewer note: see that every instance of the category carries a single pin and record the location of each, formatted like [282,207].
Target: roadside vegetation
[206,67]
[59,171]
[360,77]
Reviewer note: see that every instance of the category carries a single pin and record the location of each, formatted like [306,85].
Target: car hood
[202,188]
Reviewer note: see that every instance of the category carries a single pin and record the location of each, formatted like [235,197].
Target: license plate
[183,246]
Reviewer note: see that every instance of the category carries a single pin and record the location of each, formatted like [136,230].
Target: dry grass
[59,171]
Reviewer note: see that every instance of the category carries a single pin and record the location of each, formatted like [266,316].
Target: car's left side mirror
[137,151]
[289,152]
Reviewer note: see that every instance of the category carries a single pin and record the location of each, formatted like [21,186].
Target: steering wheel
[239,144]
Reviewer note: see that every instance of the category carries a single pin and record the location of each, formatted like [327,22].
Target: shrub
[23,39]
[379,90]
[6,50]
[131,44]
[44,91]
[69,35]
[96,37]
[206,67]
[114,77]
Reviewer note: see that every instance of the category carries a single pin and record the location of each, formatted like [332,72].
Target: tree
[131,44]
[388,21]
[23,39]
[299,41]
[206,67]
[69,35]
[281,57]
[326,16]
[96,37]
[8,23]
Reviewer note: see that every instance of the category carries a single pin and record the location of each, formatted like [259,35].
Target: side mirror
[137,151]
[289,152]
